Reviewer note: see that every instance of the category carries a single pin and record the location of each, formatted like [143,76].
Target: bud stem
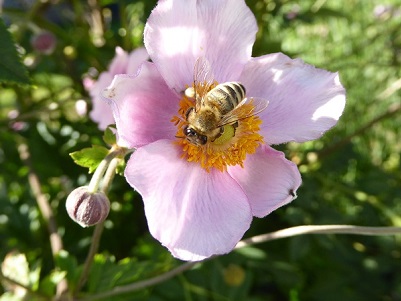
[101,169]
[109,175]
[106,172]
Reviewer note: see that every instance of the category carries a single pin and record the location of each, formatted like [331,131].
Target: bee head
[194,137]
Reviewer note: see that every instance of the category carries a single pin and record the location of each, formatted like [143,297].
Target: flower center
[233,143]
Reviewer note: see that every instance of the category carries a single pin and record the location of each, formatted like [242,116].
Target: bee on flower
[202,116]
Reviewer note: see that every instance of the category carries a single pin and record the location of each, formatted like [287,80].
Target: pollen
[230,149]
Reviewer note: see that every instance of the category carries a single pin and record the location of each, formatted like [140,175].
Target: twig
[289,232]
[56,243]
[141,284]
[96,23]
[44,206]
[321,229]
[393,109]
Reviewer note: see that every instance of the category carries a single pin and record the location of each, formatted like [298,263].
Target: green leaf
[106,273]
[90,157]
[49,283]
[252,253]
[109,136]
[11,68]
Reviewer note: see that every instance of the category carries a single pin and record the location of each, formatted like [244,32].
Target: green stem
[109,175]
[110,162]
[101,169]
[97,234]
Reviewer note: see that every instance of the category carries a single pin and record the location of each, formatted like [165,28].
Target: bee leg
[235,125]
[188,112]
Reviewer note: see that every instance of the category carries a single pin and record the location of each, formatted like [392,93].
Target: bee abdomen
[228,95]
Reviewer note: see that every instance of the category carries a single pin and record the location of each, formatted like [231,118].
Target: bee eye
[189,131]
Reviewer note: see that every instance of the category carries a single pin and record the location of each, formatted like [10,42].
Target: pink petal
[101,112]
[119,63]
[268,179]
[122,63]
[195,214]
[135,60]
[178,32]
[142,106]
[304,101]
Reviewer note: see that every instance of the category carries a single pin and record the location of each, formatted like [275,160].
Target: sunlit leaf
[109,135]
[90,157]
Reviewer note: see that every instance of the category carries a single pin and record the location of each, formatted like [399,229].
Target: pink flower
[200,199]
[123,63]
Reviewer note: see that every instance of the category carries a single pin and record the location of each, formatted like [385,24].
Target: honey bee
[217,110]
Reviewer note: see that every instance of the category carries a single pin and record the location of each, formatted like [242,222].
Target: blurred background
[350,176]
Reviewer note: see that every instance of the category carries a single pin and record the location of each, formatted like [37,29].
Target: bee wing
[203,79]
[242,112]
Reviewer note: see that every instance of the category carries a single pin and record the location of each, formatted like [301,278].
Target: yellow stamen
[228,150]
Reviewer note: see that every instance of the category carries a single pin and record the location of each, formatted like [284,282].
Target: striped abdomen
[225,97]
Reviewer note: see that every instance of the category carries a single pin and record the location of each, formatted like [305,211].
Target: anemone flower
[200,198]
[122,63]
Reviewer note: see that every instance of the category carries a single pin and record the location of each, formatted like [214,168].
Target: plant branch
[56,243]
[289,232]
[392,110]
[141,284]
[320,229]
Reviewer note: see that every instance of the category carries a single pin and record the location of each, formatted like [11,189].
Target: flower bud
[87,208]
[44,42]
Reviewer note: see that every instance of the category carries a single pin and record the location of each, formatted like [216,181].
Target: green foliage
[11,68]
[90,157]
[109,136]
[350,176]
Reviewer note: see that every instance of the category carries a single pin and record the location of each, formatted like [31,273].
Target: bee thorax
[205,120]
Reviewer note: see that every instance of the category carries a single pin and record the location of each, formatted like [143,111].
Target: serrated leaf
[109,136]
[11,68]
[90,157]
